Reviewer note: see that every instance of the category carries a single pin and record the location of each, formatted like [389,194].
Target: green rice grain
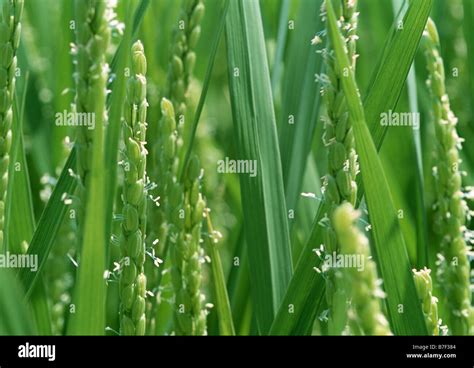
[183,57]
[362,286]
[187,254]
[10,30]
[340,182]
[429,303]
[450,208]
[133,279]
[92,39]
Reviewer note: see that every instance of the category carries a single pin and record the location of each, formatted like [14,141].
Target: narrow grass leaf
[393,67]
[265,215]
[307,207]
[280,44]
[421,220]
[224,313]
[50,222]
[238,285]
[301,100]
[15,318]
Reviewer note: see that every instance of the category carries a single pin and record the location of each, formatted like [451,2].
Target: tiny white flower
[157,262]
[316,40]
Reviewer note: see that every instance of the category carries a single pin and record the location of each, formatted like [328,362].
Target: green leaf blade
[49,223]
[15,318]
[224,312]
[265,214]
[301,100]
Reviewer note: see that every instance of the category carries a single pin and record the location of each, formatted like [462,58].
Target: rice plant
[92,40]
[132,278]
[424,287]
[339,184]
[236,167]
[187,254]
[450,208]
[11,32]
[365,316]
